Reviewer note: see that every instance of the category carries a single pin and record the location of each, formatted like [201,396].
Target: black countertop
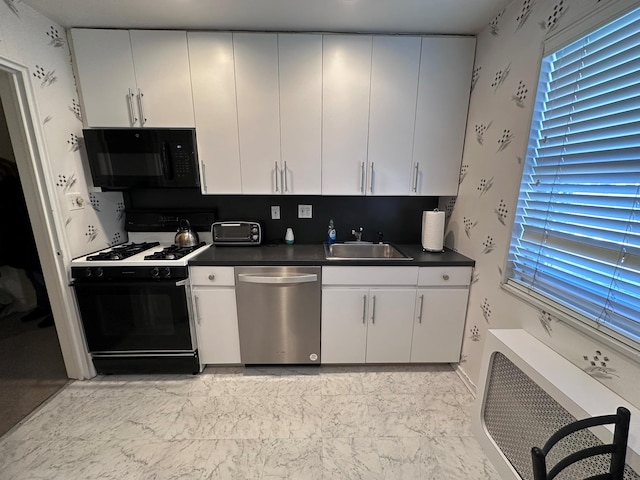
[314,255]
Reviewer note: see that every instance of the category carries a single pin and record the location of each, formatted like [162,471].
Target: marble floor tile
[335,422]
[352,458]
[457,457]
[346,416]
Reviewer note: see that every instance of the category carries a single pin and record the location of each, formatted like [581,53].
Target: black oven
[122,158]
[137,325]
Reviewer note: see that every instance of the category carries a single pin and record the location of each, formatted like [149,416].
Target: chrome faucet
[358,234]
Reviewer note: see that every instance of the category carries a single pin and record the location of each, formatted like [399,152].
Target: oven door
[137,316]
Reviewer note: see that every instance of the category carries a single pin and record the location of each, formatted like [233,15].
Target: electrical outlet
[275,212]
[75,201]
[304,211]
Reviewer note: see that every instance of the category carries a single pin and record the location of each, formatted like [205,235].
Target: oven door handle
[129,283]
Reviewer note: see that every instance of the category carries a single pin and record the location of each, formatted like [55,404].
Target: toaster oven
[236,233]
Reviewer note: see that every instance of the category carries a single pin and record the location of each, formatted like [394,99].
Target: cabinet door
[441,117]
[300,70]
[346,63]
[256,63]
[394,87]
[439,325]
[214,101]
[390,325]
[217,325]
[344,325]
[163,77]
[106,76]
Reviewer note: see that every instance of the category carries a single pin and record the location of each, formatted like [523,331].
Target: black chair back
[617,449]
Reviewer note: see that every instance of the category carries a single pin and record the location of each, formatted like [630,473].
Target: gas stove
[135,301]
[136,260]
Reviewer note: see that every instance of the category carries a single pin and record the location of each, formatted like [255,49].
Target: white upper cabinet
[161,61]
[124,82]
[300,70]
[443,101]
[394,88]
[213,82]
[346,63]
[256,65]
[107,80]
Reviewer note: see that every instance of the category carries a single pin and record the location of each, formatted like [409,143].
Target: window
[576,237]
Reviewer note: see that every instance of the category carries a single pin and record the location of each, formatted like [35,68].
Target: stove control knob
[254,238]
[155,272]
[254,229]
[166,272]
[99,272]
[87,272]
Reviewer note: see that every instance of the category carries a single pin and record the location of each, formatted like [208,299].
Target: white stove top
[138,259]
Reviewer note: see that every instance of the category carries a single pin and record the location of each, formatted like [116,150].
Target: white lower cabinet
[390,325]
[441,310]
[439,325]
[393,314]
[344,325]
[216,316]
[364,325]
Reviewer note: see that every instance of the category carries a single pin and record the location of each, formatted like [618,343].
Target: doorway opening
[31,362]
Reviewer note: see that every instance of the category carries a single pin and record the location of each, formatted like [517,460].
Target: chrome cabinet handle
[445,277]
[286,183]
[276,174]
[143,119]
[373,310]
[415,178]
[421,305]
[204,176]
[371,179]
[362,178]
[195,298]
[364,309]
[132,115]
[212,277]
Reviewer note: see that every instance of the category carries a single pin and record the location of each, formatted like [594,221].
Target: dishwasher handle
[248,278]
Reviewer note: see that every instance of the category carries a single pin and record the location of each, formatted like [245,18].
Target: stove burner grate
[173,252]
[123,251]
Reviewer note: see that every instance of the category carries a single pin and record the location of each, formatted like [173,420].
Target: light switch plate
[275,212]
[304,211]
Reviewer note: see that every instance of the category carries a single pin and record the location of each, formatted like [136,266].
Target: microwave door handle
[167,171]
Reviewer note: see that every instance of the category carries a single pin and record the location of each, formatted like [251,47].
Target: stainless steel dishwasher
[279,314]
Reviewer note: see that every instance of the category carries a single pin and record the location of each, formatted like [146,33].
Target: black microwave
[122,158]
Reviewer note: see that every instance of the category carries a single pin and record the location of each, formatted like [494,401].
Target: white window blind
[576,237]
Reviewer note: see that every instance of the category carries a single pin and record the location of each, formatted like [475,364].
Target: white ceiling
[377,16]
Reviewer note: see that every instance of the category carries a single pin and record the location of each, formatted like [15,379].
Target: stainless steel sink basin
[363,251]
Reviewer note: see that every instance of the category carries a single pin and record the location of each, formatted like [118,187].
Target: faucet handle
[380,237]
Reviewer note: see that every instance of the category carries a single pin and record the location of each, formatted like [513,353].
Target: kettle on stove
[185,236]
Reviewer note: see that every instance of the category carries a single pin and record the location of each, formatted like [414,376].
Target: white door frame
[33,164]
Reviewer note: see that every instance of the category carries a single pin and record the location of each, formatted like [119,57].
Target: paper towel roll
[433,230]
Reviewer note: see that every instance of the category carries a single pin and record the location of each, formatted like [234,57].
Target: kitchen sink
[363,251]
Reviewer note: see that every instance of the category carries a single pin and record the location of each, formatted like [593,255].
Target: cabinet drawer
[444,276]
[369,275]
[212,276]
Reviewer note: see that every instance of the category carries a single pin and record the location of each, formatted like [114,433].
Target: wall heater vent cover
[519,414]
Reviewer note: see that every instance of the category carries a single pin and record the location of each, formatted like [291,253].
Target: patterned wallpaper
[479,222]
[28,38]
